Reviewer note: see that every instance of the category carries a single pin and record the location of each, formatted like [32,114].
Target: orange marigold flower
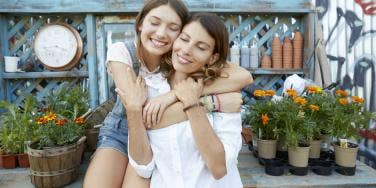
[342,93]
[259,93]
[300,100]
[79,120]
[264,119]
[291,92]
[343,101]
[41,120]
[314,89]
[269,93]
[60,122]
[314,107]
[357,99]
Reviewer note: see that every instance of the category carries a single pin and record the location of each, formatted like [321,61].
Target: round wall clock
[58,46]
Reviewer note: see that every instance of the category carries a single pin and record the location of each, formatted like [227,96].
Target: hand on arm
[155,107]
[208,144]
[133,100]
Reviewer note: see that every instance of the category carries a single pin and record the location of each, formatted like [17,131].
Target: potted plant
[260,117]
[61,139]
[348,117]
[317,110]
[297,129]
[18,128]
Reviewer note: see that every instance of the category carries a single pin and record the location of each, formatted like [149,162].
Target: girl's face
[193,49]
[159,29]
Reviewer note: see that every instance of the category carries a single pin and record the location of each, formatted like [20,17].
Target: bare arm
[208,143]
[234,79]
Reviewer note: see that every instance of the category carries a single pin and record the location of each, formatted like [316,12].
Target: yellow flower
[342,93]
[291,92]
[300,100]
[264,119]
[314,89]
[314,107]
[259,93]
[357,99]
[269,93]
[343,101]
[50,116]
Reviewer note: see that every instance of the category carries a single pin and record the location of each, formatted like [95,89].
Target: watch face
[55,45]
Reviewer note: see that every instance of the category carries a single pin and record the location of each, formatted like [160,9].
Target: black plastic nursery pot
[323,168]
[299,171]
[347,171]
[274,167]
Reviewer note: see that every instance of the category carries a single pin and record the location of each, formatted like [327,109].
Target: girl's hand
[154,108]
[137,93]
[189,91]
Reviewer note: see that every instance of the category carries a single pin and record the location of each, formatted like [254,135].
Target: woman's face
[193,49]
[159,29]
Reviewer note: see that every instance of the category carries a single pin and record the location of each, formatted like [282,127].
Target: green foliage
[58,131]
[261,118]
[348,116]
[18,125]
[68,102]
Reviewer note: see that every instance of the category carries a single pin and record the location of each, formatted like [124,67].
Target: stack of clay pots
[277,53]
[287,54]
[297,44]
[266,62]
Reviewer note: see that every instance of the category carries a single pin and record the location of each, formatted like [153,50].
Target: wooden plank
[4,51]
[133,6]
[62,74]
[277,71]
[92,59]
[309,45]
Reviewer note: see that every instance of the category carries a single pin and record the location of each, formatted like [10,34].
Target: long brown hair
[177,5]
[216,29]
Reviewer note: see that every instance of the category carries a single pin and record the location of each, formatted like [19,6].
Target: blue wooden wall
[21,19]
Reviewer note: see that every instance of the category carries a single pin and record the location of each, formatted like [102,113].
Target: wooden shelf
[61,74]
[276,71]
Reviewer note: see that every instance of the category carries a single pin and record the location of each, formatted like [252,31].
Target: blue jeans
[114,131]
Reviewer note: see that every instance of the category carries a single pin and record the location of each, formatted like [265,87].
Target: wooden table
[253,175]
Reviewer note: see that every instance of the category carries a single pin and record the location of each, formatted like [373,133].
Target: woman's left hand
[189,91]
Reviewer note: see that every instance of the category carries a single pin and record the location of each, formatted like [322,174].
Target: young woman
[158,25]
[201,152]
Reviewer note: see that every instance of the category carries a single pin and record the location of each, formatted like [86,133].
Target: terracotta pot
[287,54]
[266,62]
[246,134]
[346,157]
[9,161]
[23,160]
[267,149]
[298,156]
[314,151]
[276,53]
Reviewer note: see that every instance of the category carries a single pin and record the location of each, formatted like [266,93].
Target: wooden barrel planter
[55,167]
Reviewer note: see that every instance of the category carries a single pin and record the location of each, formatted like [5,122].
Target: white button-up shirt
[177,162]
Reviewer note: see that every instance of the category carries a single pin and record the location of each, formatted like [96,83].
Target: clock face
[55,45]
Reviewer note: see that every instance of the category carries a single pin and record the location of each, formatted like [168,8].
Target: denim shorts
[114,131]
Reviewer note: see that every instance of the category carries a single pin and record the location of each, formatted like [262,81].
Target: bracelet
[219,103]
[192,105]
[213,102]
